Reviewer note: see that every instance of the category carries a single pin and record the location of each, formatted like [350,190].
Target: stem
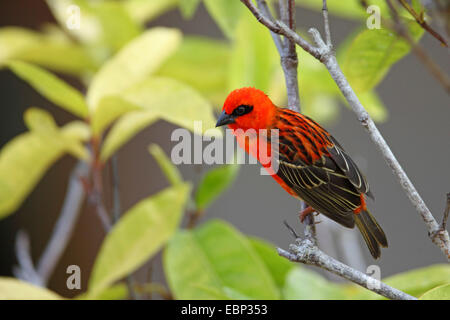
[420,53]
[116,215]
[60,237]
[307,252]
[423,23]
[96,192]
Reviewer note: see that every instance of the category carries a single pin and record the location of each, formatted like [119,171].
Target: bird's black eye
[241,110]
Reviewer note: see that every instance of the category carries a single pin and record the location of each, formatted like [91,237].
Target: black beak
[224,119]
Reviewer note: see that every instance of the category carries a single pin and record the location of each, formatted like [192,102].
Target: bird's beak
[224,119]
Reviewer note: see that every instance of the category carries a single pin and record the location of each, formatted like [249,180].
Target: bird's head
[247,108]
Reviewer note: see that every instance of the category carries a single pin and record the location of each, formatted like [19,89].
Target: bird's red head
[247,108]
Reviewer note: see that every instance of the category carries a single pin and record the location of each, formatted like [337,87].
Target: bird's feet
[305,212]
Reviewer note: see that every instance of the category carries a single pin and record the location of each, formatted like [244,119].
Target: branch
[421,21]
[60,237]
[116,215]
[324,53]
[96,189]
[420,53]
[446,213]
[305,251]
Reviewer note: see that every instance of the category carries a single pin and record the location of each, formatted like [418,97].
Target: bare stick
[305,251]
[96,190]
[446,214]
[116,215]
[326,23]
[432,67]
[289,62]
[25,270]
[421,21]
[323,53]
[286,49]
[60,237]
[262,4]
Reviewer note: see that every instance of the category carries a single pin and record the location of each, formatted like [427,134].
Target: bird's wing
[322,184]
[348,167]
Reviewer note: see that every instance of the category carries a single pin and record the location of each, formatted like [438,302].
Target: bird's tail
[372,233]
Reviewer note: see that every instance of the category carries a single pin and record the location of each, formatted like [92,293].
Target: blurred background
[417,129]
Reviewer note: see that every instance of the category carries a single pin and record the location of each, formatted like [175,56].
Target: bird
[311,164]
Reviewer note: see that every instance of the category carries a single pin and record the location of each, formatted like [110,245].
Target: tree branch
[420,53]
[62,232]
[116,216]
[421,21]
[446,213]
[305,251]
[325,54]
[96,189]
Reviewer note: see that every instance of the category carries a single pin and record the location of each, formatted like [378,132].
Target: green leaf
[254,58]
[125,129]
[373,52]
[57,54]
[144,10]
[115,292]
[13,40]
[213,183]
[138,235]
[303,284]
[42,122]
[414,282]
[13,289]
[226,13]
[320,107]
[439,293]
[418,281]
[173,101]
[25,159]
[133,63]
[203,64]
[109,109]
[102,23]
[188,8]
[224,258]
[170,170]
[51,87]
[351,9]
[78,130]
[278,267]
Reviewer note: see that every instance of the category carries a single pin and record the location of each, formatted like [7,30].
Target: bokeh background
[418,131]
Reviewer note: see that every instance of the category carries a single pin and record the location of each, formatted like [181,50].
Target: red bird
[312,165]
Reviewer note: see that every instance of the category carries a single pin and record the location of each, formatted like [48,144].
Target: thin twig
[25,269]
[116,215]
[324,54]
[420,53]
[446,213]
[305,251]
[326,23]
[421,21]
[61,234]
[262,4]
[66,222]
[281,28]
[291,230]
[96,190]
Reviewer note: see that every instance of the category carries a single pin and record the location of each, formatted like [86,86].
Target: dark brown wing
[322,185]
[348,167]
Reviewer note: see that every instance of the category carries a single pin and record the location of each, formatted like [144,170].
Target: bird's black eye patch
[241,110]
